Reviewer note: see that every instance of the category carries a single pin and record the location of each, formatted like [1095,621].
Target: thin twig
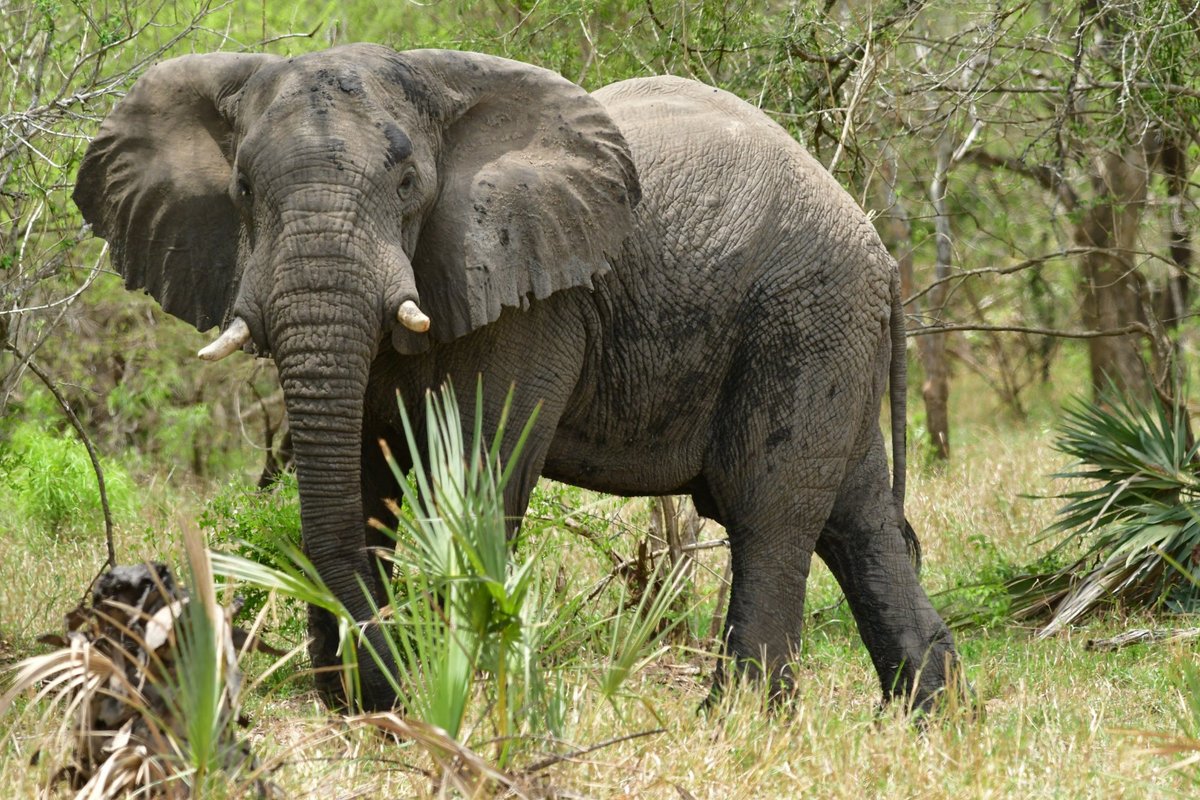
[95,271]
[1133,327]
[622,565]
[1022,265]
[87,442]
[538,766]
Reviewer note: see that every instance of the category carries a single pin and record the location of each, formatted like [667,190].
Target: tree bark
[1172,302]
[936,388]
[1111,284]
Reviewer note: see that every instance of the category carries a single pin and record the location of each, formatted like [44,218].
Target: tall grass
[1049,708]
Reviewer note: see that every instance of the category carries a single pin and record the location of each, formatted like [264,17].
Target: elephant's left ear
[537,187]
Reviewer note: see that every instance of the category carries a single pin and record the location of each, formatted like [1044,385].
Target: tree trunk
[674,526]
[936,388]
[1112,286]
[1172,301]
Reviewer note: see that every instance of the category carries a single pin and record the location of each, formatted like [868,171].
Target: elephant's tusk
[412,317]
[236,335]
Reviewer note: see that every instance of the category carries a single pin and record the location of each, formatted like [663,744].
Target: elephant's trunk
[323,340]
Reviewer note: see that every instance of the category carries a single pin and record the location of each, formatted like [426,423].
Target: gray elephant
[696,305]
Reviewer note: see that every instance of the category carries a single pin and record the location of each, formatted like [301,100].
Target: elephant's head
[325,206]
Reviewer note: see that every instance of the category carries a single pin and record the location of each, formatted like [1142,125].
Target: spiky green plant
[1135,511]
[455,547]
[467,622]
[632,631]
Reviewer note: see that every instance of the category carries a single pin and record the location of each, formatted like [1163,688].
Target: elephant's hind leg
[912,649]
[772,532]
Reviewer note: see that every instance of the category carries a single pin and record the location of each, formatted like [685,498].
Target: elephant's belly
[626,467]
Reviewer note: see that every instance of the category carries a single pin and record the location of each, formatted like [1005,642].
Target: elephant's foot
[335,681]
[938,684]
[778,682]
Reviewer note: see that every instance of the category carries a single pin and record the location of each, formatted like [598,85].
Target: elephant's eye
[407,184]
[243,198]
[243,189]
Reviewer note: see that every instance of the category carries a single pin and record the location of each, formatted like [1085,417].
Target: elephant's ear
[155,183]
[537,189]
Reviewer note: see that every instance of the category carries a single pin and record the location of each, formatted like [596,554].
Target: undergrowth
[483,648]
[46,474]
[262,525]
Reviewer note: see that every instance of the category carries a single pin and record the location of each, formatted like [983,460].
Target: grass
[1050,719]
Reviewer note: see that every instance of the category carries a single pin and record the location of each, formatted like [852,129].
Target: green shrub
[263,526]
[52,482]
[1131,524]
[998,592]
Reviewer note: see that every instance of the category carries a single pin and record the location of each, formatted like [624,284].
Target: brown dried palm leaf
[149,680]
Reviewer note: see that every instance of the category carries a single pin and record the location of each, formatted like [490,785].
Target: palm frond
[148,686]
[1134,518]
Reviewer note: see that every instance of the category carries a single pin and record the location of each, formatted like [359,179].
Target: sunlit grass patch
[1047,726]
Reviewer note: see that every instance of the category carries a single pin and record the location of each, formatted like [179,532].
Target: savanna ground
[1052,719]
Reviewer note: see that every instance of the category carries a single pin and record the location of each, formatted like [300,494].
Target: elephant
[691,301]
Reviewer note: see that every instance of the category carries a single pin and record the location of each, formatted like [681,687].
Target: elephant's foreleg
[531,459]
[912,649]
[378,488]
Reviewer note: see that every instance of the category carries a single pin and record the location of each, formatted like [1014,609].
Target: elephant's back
[683,128]
[749,274]
[729,187]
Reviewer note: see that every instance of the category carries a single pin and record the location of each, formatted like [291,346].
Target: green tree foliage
[1024,97]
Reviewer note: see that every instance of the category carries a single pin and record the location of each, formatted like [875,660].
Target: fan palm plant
[467,618]
[1135,514]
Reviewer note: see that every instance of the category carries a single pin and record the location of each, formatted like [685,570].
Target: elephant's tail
[898,398]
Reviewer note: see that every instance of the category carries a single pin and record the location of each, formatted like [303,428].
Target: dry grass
[1048,723]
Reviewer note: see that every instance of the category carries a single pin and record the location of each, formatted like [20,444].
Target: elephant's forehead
[324,78]
[326,94]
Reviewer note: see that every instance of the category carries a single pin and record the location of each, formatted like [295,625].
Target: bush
[52,481]
[1135,514]
[262,526]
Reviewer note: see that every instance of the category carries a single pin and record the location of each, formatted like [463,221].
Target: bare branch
[1131,328]
[1036,261]
[538,766]
[1047,177]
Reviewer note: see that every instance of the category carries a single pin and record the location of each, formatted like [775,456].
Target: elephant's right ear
[155,184]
